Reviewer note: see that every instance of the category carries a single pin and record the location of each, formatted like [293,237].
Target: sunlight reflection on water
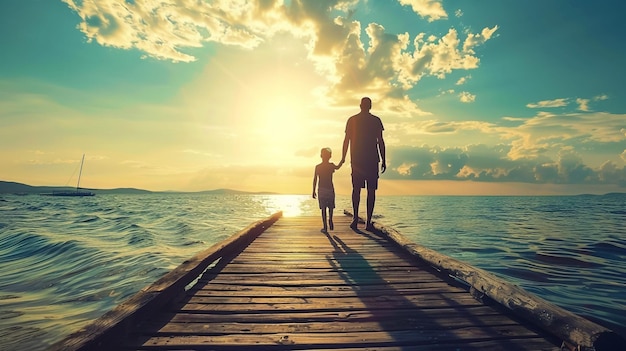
[291,205]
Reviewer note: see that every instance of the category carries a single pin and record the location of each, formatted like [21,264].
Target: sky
[476,98]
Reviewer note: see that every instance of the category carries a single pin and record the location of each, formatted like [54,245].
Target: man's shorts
[365,175]
[326,198]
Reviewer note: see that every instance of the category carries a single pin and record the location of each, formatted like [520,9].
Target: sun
[281,111]
[282,119]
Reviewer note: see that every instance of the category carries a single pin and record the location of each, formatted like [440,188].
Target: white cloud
[601,97]
[446,92]
[385,69]
[405,168]
[546,132]
[549,103]
[610,173]
[162,28]
[430,9]
[474,40]
[513,119]
[490,163]
[463,80]
[435,57]
[467,97]
[583,104]
[436,127]
[547,148]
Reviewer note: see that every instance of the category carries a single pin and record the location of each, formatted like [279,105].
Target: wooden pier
[281,284]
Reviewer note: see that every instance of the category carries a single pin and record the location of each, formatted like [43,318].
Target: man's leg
[325,229]
[356,198]
[371,200]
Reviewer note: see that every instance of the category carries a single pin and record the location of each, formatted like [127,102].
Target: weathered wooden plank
[215,328]
[440,315]
[376,266]
[327,284]
[237,291]
[302,258]
[336,265]
[528,344]
[340,304]
[383,271]
[212,294]
[283,280]
[362,339]
[355,297]
[535,344]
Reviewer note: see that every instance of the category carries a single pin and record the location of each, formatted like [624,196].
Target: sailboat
[78,192]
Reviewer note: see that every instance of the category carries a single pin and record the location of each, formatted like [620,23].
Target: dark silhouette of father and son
[364,138]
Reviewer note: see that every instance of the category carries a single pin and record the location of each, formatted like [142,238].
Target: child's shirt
[325,173]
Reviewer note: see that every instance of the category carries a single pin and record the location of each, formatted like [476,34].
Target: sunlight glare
[280,116]
[291,205]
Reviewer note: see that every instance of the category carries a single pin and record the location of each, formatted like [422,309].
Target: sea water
[66,261]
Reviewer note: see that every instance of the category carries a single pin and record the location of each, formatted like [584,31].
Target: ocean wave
[564,260]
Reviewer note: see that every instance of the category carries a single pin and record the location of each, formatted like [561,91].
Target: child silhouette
[326,191]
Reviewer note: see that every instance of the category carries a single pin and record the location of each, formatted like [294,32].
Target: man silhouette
[364,136]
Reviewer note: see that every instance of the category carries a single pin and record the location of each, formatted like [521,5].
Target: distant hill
[19,188]
[16,188]
[24,189]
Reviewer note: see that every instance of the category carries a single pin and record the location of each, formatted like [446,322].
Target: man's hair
[366,103]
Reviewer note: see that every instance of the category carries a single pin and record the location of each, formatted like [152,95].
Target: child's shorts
[326,198]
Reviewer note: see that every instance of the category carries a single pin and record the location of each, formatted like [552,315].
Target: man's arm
[381,149]
[344,150]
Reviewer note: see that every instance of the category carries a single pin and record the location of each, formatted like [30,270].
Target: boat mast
[80,172]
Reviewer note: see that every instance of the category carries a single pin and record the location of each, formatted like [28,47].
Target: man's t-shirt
[363,130]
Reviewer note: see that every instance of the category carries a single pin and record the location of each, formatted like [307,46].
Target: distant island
[24,189]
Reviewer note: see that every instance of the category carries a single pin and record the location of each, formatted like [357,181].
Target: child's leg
[331,225]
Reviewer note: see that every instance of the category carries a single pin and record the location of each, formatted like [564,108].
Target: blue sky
[489,98]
